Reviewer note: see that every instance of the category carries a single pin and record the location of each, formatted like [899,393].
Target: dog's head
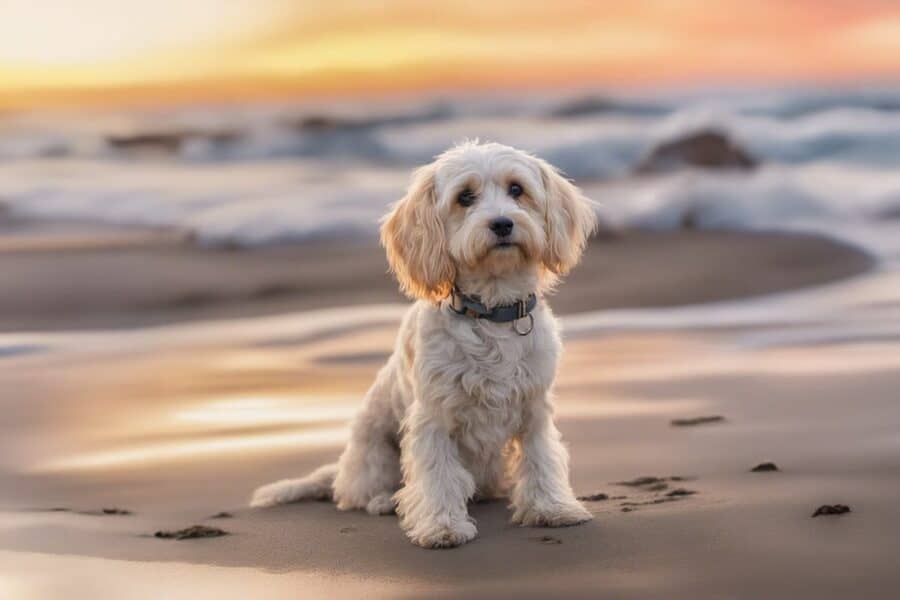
[484,207]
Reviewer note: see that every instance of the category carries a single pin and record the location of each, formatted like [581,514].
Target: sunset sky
[66,52]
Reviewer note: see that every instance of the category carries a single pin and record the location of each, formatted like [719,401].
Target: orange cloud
[168,50]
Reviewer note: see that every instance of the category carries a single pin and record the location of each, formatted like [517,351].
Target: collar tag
[530,325]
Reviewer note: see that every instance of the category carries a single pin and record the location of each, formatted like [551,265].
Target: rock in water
[708,149]
[169,142]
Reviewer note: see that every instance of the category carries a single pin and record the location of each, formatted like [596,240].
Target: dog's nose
[502,226]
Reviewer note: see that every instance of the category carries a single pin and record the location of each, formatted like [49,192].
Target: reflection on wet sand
[331,436]
[308,421]
[242,387]
[183,422]
[99,578]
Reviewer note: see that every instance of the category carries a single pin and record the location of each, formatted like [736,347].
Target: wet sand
[179,429]
[122,278]
[175,424]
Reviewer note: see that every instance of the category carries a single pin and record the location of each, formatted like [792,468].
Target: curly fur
[463,407]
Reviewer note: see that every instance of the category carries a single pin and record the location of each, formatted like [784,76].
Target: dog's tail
[315,486]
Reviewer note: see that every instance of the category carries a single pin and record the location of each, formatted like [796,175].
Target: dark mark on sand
[650,483]
[661,500]
[116,511]
[831,509]
[222,515]
[189,533]
[96,513]
[654,486]
[593,497]
[548,539]
[765,467]
[641,481]
[697,421]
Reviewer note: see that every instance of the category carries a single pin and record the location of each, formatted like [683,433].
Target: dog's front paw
[442,535]
[551,515]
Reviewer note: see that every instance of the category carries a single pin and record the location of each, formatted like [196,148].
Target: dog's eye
[515,190]
[466,198]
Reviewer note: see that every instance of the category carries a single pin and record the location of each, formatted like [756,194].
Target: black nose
[502,226]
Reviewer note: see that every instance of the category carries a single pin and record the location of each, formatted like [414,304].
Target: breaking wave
[259,174]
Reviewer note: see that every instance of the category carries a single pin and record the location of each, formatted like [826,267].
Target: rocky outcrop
[169,142]
[707,149]
[590,106]
[325,123]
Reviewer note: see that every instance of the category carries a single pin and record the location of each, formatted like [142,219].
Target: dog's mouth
[505,244]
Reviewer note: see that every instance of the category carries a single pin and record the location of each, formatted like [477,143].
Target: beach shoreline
[132,277]
[165,438]
[127,412]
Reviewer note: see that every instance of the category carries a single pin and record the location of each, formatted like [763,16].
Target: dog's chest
[496,380]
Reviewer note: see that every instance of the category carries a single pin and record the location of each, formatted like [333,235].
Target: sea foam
[261,174]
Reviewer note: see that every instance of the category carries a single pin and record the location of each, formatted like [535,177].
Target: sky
[65,52]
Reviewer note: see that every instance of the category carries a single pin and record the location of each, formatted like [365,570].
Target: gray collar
[471,306]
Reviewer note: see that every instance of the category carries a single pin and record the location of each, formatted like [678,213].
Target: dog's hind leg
[369,469]
[315,486]
[368,472]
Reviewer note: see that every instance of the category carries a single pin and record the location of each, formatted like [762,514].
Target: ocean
[826,161]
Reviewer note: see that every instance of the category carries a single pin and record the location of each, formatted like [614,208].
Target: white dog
[463,407]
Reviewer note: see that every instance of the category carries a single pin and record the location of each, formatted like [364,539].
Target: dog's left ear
[570,220]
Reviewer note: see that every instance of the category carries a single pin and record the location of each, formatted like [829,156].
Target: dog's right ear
[413,235]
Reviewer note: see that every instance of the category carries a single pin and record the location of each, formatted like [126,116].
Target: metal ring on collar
[530,318]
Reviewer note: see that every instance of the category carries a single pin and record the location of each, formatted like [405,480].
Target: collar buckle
[520,309]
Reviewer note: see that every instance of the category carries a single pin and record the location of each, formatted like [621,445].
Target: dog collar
[471,306]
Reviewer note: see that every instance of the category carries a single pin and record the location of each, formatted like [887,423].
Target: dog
[463,409]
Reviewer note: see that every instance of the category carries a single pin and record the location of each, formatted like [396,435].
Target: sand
[175,424]
[125,278]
